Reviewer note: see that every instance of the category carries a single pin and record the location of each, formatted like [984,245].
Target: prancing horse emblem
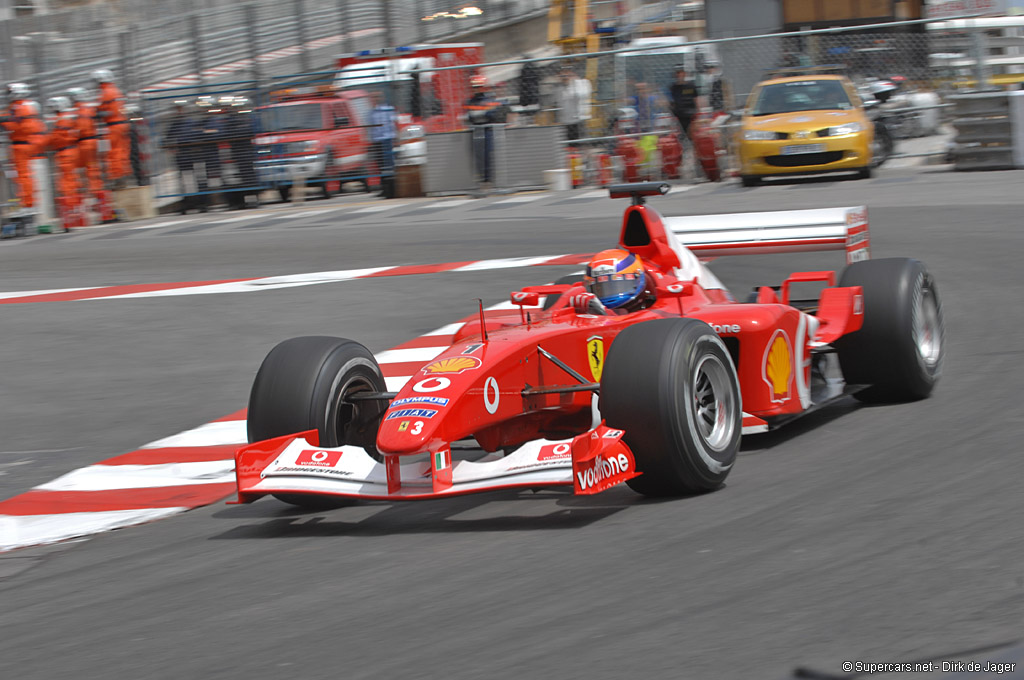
[595,355]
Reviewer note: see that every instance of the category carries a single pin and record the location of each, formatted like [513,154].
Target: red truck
[425,100]
[317,135]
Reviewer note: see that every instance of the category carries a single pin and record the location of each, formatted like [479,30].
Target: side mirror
[522,298]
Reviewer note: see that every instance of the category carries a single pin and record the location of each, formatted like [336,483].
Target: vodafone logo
[432,385]
[318,458]
[553,452]
[602,469]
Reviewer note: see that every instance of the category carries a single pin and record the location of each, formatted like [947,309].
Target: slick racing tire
[750,180]
[304,384]
[285,192]
[550,300]
[899,349]
[671,385]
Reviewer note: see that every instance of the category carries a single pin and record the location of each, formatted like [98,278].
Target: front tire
[899,350]
[750,180]
[304,384]
[670,384]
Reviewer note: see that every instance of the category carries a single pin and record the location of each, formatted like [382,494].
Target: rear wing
[784,231]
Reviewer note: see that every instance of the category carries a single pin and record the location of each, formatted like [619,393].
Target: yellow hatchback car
[804,124]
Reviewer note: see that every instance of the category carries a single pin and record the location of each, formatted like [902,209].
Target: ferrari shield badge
[595,356]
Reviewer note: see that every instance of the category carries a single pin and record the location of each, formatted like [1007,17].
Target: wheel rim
[927,328]
[714,404]
[348,415]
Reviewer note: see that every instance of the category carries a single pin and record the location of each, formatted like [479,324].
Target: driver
[615,280]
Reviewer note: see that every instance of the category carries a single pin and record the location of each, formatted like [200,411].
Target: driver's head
[616,277]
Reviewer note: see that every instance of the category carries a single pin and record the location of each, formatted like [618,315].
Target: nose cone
[410,425]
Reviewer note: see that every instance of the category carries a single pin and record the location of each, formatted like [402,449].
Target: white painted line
[397,383]
[379,208]
[110,477]
[169,223]
[240,218]
[304,213]
[449,329]
[394,356]
[19,531]
[268,283]
[522,199]
[598,193]
[441,205]
[506,263]
[210,434]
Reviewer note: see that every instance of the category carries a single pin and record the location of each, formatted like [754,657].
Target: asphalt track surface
[861,533]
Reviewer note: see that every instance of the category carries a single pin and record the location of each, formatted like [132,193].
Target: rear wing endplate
[784,231]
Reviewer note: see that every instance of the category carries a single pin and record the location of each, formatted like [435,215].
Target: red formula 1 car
[553,394]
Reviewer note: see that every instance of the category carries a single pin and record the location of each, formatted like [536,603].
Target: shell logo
[778,367]
[453,365]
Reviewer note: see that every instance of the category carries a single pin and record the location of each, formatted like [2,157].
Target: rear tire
[284,192]
[670,384]
[900,348]
[303,384]
[864,173]
[750,180]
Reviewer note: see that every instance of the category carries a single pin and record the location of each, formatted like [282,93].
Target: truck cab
[318,136]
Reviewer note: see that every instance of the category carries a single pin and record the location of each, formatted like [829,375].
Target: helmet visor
[614,290]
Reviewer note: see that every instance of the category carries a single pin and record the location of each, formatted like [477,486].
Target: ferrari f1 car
[553,394]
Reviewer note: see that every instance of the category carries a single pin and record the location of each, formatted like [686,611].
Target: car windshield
[801,95]
[292,117]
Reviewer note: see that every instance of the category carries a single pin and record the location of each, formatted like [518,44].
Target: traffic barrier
[984,139]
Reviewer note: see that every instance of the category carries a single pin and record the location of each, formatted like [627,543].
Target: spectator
[683,97]
[572,97]
[646,105]
[382,142]
[239,130]
[716,88]
[483,111]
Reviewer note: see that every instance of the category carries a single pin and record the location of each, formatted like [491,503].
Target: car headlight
[308,146]
[757,135]
[844,129]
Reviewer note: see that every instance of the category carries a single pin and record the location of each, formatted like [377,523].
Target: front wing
[590,463]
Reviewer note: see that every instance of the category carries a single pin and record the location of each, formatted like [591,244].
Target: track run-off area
[876,534]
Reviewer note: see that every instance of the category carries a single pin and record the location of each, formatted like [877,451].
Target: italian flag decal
[443,459]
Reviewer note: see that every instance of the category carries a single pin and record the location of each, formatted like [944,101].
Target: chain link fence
[244,134]
[150,44]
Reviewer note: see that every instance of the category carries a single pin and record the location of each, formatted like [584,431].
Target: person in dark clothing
[239,130]
[529,85]
[683,97]
[482,112]
[716,89]
[180,138]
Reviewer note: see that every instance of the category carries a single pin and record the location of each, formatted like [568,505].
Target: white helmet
[58,104]
[78,94]
[18,90]
[103,75]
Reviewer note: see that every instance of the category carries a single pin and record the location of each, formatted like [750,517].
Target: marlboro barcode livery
[645,370]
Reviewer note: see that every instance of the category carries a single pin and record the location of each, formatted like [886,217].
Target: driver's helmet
[616,277]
